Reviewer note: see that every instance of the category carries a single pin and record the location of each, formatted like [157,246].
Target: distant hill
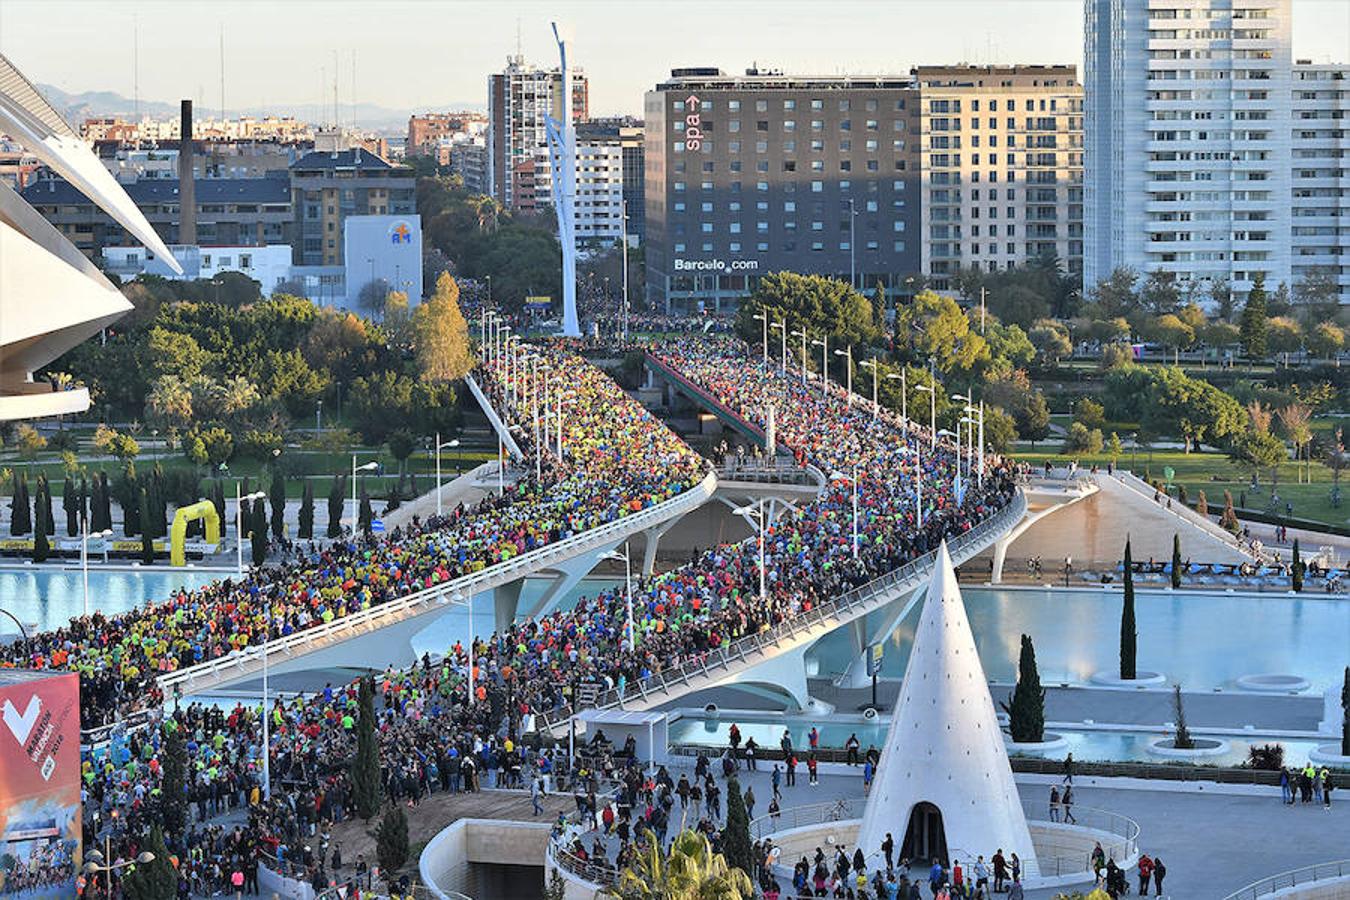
[76,107]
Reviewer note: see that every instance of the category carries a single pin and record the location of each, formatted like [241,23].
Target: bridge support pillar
[567,575]
[506,602]
[652,543]
[1000,556]
[868,631]
[782,678]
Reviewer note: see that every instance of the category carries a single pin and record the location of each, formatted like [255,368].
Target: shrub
[1268,757]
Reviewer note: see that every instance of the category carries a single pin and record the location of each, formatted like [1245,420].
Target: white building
[269,265]
[521,99]
[599,203]
[1320,181]
[383,249]
[1209,154]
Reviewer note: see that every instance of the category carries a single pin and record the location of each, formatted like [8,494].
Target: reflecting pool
[49,598]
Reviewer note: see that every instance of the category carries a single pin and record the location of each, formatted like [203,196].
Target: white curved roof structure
[51,297]
[944,755]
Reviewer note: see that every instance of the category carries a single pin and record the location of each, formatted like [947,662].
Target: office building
[1188,139]
[1320,179]
[521,98]
[1001,156]
[328,187]
[626,134]
[753,174]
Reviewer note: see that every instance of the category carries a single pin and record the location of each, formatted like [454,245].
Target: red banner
[39,783]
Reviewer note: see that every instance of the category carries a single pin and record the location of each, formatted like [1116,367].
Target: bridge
[773,661]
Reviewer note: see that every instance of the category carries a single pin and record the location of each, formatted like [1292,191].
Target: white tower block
[945,749]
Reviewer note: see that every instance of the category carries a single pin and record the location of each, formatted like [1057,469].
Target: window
[843,106]
[845,165]
[734,246]
[735,228]
[844,245]
[817,246]
[817,104]
[734,105]
[679,185]
[705,207]
[789,125]
[898,246]
[845,124]
[761,146]
[762,125]
[762,205]
[872,245]
[817,125]
[706,227]
[762,246]
[871,125]
[707,186]
[762,186]
[707,247]
[817,226]
[789,165]
[734,125]
[734,146]
[789,206]
[761,106]
[789,104]
[817,187]
[762,166]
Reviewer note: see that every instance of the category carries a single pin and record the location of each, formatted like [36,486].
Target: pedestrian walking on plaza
[1000,864]
[1145,873]
[1286,791]
[776,779]
[851,747]
[750,802]
[1067,802]
[534,796]
[888,848]
[1068,769]
[1326,788]
[811,764]
[1054,804]
[791,770]
[1159,873]
[751,748]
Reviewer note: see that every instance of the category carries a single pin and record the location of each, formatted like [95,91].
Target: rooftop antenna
[352,98]
[519,56]
[222,71]
[337,117]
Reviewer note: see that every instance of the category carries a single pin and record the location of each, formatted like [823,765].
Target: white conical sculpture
[944,753]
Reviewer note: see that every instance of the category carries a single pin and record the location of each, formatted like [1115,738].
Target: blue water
[50,598]
[1202,641]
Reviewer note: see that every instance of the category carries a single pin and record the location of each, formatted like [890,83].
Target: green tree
[336,499]
[306,525]
[258,532]
[277,497]
[1026,705]
[1228,519]
[367,514]
[1115,294]
[1283,335]
[1089,412]
[1190,408]
[1176,560]
[441,334]
[690,871]
[146,529]
[934,329]
[1252,326]
[174,786]
[1159,294]
[401,446]
[811,303]
[1345,714]
[1081,439]
[1129,636]
[736,835]
[391,840]
[154,880]
[1114,448]
[1325,340]
[44,498]
[1318,294]
[70,500]
[365,765]
[41,548]
[1051,342]
[1183,739]
[1296,569]
[1257,450]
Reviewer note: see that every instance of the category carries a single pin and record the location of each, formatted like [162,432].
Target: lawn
[1214,473]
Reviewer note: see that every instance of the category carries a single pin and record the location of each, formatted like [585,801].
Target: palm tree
[690,871]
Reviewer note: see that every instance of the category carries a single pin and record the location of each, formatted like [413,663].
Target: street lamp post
[96,862]
[239,526]
[932,413]
[84,558]
[824,345]
[453,442]
[872,364]
[627,558]
[848,354]
[765,320]
[757,513]
[802,335]
[368,467]
[782,326]
[904,399]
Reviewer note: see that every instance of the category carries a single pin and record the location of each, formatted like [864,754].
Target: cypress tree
[365,771]
[391,841]
[1176,560]
[336,496]
[155,880]
[1296,569]
[277,495]
[174,787]
[1026,706]
[105,503]
[41,548]
[20,517]
[306,529]
[84,504]
[1345,714]
[147,539]
[259,529]
[1202,505]
[1129,636]
[45,498]
[70,499]
[218,501]
[1253,324]
[1183,739]
[367,515]
[736,834]
[160,508]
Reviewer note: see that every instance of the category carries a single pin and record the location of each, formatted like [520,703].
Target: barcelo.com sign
[716,265]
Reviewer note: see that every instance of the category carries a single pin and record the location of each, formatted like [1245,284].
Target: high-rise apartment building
[753,174]
[1320,179]
[1001,156]
[521,98]
[327,188]
[1189,140]
[607,190]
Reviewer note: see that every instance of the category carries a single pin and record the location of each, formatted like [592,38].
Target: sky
[434,54]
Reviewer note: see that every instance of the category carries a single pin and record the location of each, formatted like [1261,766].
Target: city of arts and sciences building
[680,600]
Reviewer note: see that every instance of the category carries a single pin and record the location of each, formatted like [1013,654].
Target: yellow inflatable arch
[204,509]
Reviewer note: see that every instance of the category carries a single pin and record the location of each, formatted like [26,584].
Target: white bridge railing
[241,664]
[678,680]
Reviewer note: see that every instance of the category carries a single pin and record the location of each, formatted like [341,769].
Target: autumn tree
[441,334]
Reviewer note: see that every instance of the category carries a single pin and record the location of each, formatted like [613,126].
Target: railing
[1122,845]
[843,607]
[1293,878]
[759,473]
[719,409]
[812,814]
[1139,486]
[247,662]
[499,426]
